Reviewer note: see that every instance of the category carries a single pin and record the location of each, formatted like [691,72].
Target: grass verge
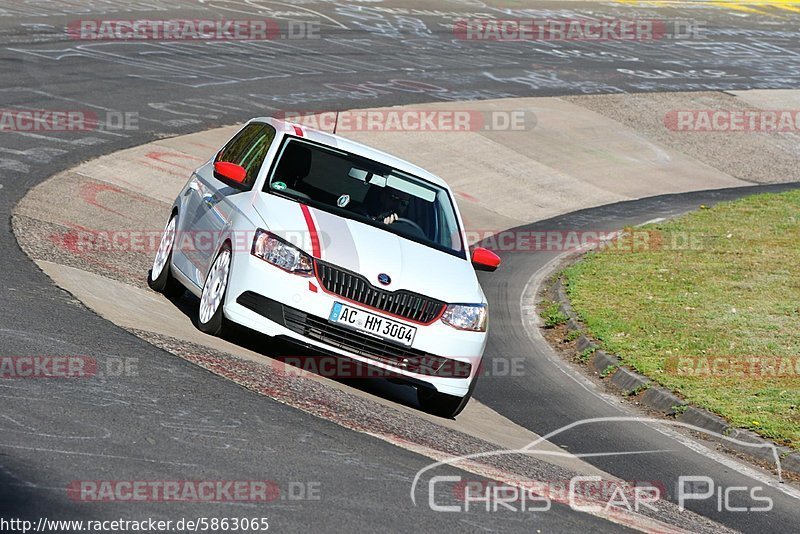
[708,305]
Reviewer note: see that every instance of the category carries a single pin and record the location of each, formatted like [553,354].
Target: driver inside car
[395,203]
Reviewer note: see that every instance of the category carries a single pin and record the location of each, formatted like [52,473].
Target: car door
[183,251]
[247,148]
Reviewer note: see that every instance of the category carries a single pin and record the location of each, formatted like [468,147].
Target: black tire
[214,325]
[166,283]
[441,404]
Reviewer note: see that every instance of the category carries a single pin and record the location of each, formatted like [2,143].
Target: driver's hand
[389,219]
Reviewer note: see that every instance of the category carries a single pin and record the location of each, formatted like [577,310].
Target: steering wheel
[412,224]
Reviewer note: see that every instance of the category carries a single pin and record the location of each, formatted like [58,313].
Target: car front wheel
[211,315]
[160,276]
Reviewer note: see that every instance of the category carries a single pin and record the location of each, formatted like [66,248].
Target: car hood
[370,251]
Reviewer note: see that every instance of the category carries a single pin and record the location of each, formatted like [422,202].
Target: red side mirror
[230,171]
[485,260]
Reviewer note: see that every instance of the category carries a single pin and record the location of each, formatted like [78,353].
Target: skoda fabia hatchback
[305,235]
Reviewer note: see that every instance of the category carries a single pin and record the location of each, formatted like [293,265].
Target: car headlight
[281,254]
[467,316]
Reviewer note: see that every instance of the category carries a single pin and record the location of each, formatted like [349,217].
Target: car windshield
[359,188]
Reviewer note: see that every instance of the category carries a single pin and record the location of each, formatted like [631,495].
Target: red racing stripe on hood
[312,231]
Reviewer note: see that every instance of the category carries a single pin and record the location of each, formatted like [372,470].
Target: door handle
[211,200]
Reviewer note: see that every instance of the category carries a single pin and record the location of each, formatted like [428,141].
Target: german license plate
[372,324]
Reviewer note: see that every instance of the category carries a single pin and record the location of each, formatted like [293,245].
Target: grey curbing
[628,381]
[603,360]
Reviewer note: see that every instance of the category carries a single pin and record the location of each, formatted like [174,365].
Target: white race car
[298,233]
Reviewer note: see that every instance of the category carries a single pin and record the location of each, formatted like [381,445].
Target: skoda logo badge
[384,279]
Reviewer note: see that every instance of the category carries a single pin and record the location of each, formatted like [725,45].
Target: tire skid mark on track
[147,212]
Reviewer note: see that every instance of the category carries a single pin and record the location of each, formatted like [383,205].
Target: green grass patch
[708,305]
[586,354]
[552,315]
[608,370]
[572,335]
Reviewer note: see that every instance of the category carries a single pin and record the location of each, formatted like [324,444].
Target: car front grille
[406,358]
[355,287]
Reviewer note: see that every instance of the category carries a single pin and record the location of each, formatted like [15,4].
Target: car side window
[248,148]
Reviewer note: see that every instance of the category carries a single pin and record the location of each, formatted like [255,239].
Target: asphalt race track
[173,420]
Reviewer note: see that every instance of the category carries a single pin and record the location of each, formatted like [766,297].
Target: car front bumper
[276,303]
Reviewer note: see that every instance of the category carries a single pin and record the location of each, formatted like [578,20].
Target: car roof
[348,145]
